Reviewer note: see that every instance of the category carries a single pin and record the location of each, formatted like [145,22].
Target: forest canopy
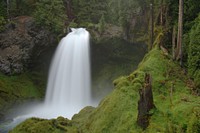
[133,16]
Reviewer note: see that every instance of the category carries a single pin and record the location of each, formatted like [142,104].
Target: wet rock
[21,43]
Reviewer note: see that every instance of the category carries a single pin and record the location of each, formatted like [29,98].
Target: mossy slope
[177,110]
[18,87]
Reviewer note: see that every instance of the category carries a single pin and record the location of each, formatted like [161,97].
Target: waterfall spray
[69,78]
[68,89]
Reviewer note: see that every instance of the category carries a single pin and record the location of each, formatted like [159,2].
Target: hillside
[177,106]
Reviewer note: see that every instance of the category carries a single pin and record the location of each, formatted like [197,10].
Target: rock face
[21,43]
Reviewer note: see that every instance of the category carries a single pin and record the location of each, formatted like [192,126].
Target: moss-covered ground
[177,107]
[15,89]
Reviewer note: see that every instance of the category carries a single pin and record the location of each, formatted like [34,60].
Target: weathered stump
[145,104]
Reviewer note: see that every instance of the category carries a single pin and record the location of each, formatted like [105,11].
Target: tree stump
[145,104]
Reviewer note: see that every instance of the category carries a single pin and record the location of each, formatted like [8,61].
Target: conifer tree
[50,14]
[194,52]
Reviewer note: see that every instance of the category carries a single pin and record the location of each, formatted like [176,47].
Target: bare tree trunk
[180,33]
[17,4]
[161,13]
[152,24]
[145,104]
[173,43]
[69,11]
[8,8]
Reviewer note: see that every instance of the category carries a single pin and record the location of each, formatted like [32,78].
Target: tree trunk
[18,4]
[8,8]
[69,12]
[161,13]
[152,24]
[180,33]
[145,104]
[174,43]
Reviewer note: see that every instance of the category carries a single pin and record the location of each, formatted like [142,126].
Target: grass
[177,110]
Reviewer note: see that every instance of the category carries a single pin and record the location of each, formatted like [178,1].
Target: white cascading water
[68,88]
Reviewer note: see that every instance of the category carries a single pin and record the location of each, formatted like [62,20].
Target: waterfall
[68,88]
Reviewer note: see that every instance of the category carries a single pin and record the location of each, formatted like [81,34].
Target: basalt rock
[22,43]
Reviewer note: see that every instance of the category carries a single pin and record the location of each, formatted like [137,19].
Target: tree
[152,23]
[145,103]
[179,50]
[50,14]
[123,12]
[3,8]
[20,7]
[88,11]
[69,12]
[102,24]
[191,11]
[194,52]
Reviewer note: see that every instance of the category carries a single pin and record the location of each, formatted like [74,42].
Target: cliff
[22,43]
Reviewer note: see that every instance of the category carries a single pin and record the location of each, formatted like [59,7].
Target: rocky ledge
[21,43]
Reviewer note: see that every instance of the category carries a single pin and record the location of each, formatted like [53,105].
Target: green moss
[194,122]
[118,111]
[59,125]
[18,87]
[177,110]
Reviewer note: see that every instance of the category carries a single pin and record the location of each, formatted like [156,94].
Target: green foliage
[2,23]
[88,10]
[89,13]
[122,13]
[102,24]
[194,52]
[3,9]
[2,15]
[170,18]
[20,7]
[73,25]
[50,14]
[191,11]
